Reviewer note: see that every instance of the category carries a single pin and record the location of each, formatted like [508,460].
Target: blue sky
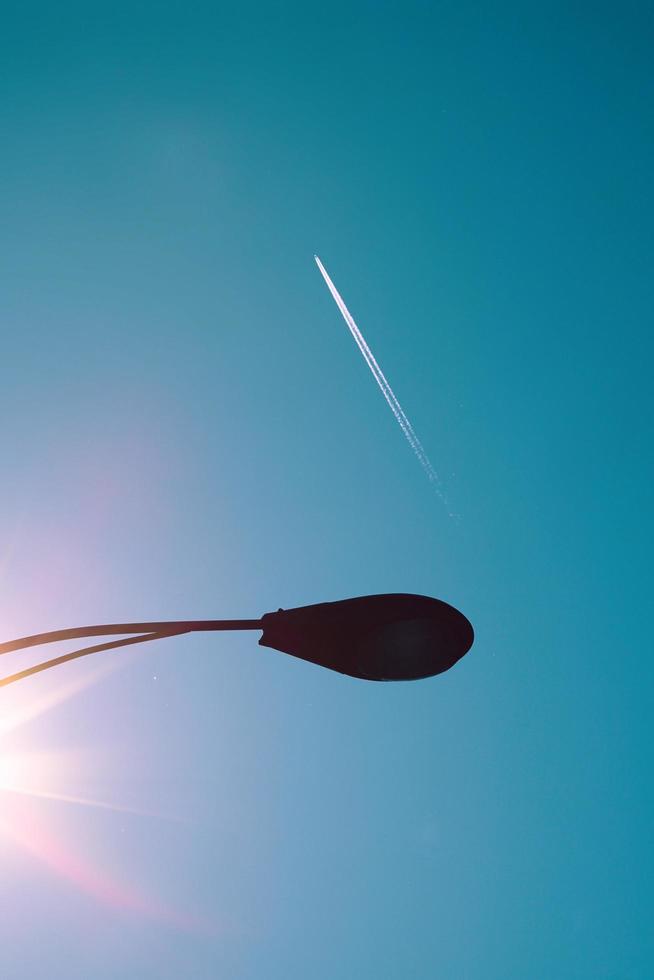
[188,430]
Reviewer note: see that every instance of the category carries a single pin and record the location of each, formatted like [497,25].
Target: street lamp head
[395,637]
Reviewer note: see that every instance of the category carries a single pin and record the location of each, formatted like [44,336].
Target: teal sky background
[188,430]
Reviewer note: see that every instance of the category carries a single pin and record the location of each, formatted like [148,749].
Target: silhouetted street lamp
[395,637]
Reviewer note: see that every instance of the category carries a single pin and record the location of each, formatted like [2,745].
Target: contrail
[383,383]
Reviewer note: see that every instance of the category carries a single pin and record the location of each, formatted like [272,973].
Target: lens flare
[28,775]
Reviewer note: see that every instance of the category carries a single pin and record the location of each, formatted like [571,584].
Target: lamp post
[391,637]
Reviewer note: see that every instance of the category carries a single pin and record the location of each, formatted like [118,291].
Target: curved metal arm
[148,631]
[166,628]
[85,652]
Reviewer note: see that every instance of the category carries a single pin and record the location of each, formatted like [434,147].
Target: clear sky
[188,430]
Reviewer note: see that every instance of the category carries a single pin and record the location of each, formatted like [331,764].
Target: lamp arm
[166,628]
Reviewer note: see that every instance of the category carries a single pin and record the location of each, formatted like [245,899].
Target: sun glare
[29,775]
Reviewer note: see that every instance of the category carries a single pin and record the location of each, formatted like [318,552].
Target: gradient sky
[188,430]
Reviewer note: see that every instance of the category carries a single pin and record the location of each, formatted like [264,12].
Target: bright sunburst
[28,775]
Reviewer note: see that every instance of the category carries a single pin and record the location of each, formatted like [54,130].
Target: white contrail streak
[381,380]
[377,372]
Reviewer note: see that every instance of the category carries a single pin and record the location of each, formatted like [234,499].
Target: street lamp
[393,637]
